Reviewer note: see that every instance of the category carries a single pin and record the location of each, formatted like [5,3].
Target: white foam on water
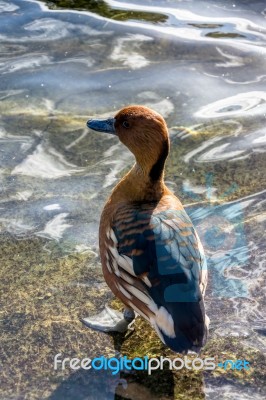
[126,51]
[46,163]
[52,207]
[55,228]
[28,61]
[242,103]
[8,7]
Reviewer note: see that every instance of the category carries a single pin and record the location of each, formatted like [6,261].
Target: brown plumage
[151,256]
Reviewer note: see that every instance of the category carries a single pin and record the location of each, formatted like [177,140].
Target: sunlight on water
[45,163]
[242,104]
[202,66]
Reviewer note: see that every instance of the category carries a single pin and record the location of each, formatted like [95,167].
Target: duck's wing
[160,267]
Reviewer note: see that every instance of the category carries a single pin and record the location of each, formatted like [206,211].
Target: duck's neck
[137,185]
[143,182]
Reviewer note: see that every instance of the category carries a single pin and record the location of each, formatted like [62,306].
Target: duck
[151,255]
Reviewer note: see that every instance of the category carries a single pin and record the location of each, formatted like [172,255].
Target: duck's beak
[102,125]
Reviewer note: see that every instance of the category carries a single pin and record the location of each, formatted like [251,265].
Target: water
[202,66]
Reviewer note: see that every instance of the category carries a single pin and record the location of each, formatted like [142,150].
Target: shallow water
[202,66]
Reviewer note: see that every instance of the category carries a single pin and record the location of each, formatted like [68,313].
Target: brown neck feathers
[157,169]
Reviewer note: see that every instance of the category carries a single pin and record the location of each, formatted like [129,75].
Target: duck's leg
[110,320]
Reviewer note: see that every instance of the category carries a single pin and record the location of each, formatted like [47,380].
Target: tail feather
[190,325]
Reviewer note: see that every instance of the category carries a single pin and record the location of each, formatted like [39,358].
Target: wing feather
[160,268]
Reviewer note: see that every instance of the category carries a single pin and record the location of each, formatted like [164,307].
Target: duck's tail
[182,326]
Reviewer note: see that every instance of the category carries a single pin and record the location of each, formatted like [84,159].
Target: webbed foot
[110,320]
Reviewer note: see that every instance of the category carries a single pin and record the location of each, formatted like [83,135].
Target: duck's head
[144,132]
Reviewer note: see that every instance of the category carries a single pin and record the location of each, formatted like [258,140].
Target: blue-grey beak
[102,125]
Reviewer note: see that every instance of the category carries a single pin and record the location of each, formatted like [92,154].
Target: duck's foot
[110,320]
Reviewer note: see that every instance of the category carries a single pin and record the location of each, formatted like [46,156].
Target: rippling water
[202,66]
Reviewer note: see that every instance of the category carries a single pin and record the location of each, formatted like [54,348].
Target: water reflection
[187,60]
[240,104]
[45,163]
[102,8]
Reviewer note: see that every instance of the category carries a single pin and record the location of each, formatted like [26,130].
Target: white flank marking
[113,251]
[124,291]
[126,263]
[115,255]
[116,270]
[138,310]
[112,236]
[108,266]
[126,278]
[146,281]
[139,294]
[155,327]
[165,322]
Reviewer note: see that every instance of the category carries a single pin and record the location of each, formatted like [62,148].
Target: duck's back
[153,261]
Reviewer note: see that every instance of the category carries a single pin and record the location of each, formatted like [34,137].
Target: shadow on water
[119,385]
[101,385]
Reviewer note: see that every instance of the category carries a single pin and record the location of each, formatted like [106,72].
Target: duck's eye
[125,124]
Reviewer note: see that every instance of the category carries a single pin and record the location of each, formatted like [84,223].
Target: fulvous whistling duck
[151,255]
